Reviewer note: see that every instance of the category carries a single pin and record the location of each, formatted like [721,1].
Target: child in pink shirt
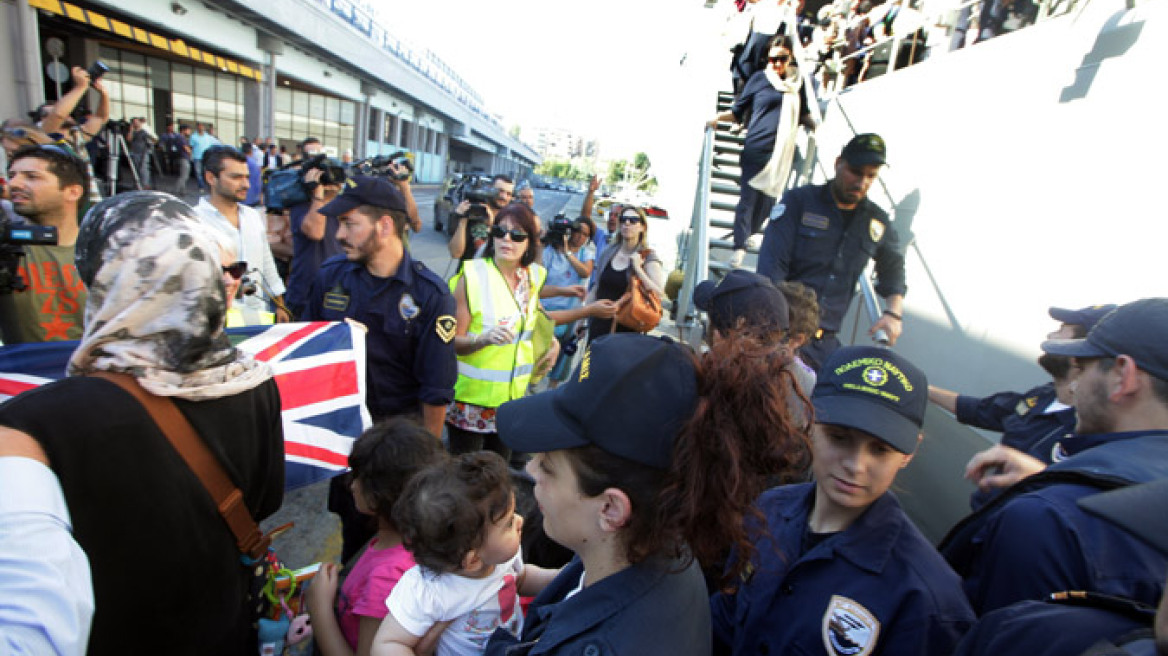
[383,460]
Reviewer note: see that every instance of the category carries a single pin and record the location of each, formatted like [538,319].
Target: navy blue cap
[361,190]
[874,390]
[866,150]
[1086,317]
[1136,330]
[630,396]
[1138,509]
[743,294]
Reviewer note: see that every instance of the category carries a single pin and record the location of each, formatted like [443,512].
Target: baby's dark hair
[387,456]
[804,308]
[445,510]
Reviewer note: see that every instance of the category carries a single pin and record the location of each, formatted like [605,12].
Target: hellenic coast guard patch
[445,326]
[875,229]
[848,628]
[407,307]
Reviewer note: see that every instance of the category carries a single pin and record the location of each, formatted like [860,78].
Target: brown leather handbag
[640,309]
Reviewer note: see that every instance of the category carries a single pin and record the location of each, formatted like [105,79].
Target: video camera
[478,190]
[559,228]
[381,166]
[12,239]
[286,187]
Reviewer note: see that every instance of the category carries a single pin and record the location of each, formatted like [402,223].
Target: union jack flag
[319,367]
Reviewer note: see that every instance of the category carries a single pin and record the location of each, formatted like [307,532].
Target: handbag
[640,309]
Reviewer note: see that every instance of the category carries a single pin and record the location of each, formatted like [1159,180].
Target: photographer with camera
[225,170]
[314,235]
[568,258]
[476,214]
[47,183]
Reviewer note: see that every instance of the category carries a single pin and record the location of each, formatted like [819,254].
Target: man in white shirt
[225,171]
[46,597]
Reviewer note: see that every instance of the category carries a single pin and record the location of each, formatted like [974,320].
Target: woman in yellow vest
[497,300]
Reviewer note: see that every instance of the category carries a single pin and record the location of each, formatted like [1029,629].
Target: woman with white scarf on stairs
[775,103]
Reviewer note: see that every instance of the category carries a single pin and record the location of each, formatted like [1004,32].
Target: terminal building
[293,69]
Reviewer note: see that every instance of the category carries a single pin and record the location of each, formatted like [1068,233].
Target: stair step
[729,139]
[728,244]
[725,224]
[726,163]
[719,174]
[730,190]
[719,205]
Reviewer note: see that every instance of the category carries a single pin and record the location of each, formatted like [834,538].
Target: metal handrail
[697,260]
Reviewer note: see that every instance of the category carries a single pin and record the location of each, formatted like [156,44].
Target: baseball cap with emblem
[630,396]
[874,390]
[365,190]
[1086,317]
[743,294]
[866,150]
[1136,330]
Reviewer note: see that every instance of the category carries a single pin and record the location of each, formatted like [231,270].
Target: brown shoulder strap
[181,435]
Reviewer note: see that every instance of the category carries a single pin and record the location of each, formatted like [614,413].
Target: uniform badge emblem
[817,221]
[336,299]
[849,629]
[407,307]
[445,326]
[876,230]
[875,376]
[1026,405]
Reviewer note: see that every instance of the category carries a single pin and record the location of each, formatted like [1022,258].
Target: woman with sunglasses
[776,102]
[627,254]
[496,303]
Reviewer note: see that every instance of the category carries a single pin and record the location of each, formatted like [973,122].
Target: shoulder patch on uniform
[849,629]
[817,221]
[876,229]
[445,326]
[1026,405]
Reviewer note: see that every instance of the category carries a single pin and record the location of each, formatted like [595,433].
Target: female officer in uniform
[646,461]
[843,571]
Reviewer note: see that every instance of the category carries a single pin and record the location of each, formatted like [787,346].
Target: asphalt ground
[315,535]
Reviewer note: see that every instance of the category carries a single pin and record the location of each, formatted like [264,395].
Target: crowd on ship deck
[544,475]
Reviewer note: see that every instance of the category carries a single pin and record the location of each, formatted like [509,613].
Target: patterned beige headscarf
[156,301]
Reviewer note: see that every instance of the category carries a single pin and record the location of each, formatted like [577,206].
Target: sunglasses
[630,219]
[236,270]
[517,236]
[782,59]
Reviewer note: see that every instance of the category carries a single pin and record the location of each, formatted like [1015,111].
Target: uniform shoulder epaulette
[429,276]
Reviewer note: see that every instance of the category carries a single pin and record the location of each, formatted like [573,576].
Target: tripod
[116,143]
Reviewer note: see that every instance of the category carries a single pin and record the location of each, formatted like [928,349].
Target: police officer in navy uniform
[1035,422]
[408,310]
[824,235]
[1034,539]
[842,570]
[1084,622]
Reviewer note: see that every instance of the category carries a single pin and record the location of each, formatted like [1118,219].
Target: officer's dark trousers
[752,211]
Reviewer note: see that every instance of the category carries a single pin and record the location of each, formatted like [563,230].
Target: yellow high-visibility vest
[497,373]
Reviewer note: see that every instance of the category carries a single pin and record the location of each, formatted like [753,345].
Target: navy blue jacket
[878,585]
[307,257]
[410,343]
[1040,628]
[1033,539]
[653,607]
[808,241]
[1021,419]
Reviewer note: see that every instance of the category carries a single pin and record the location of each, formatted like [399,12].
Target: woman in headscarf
[167,574]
